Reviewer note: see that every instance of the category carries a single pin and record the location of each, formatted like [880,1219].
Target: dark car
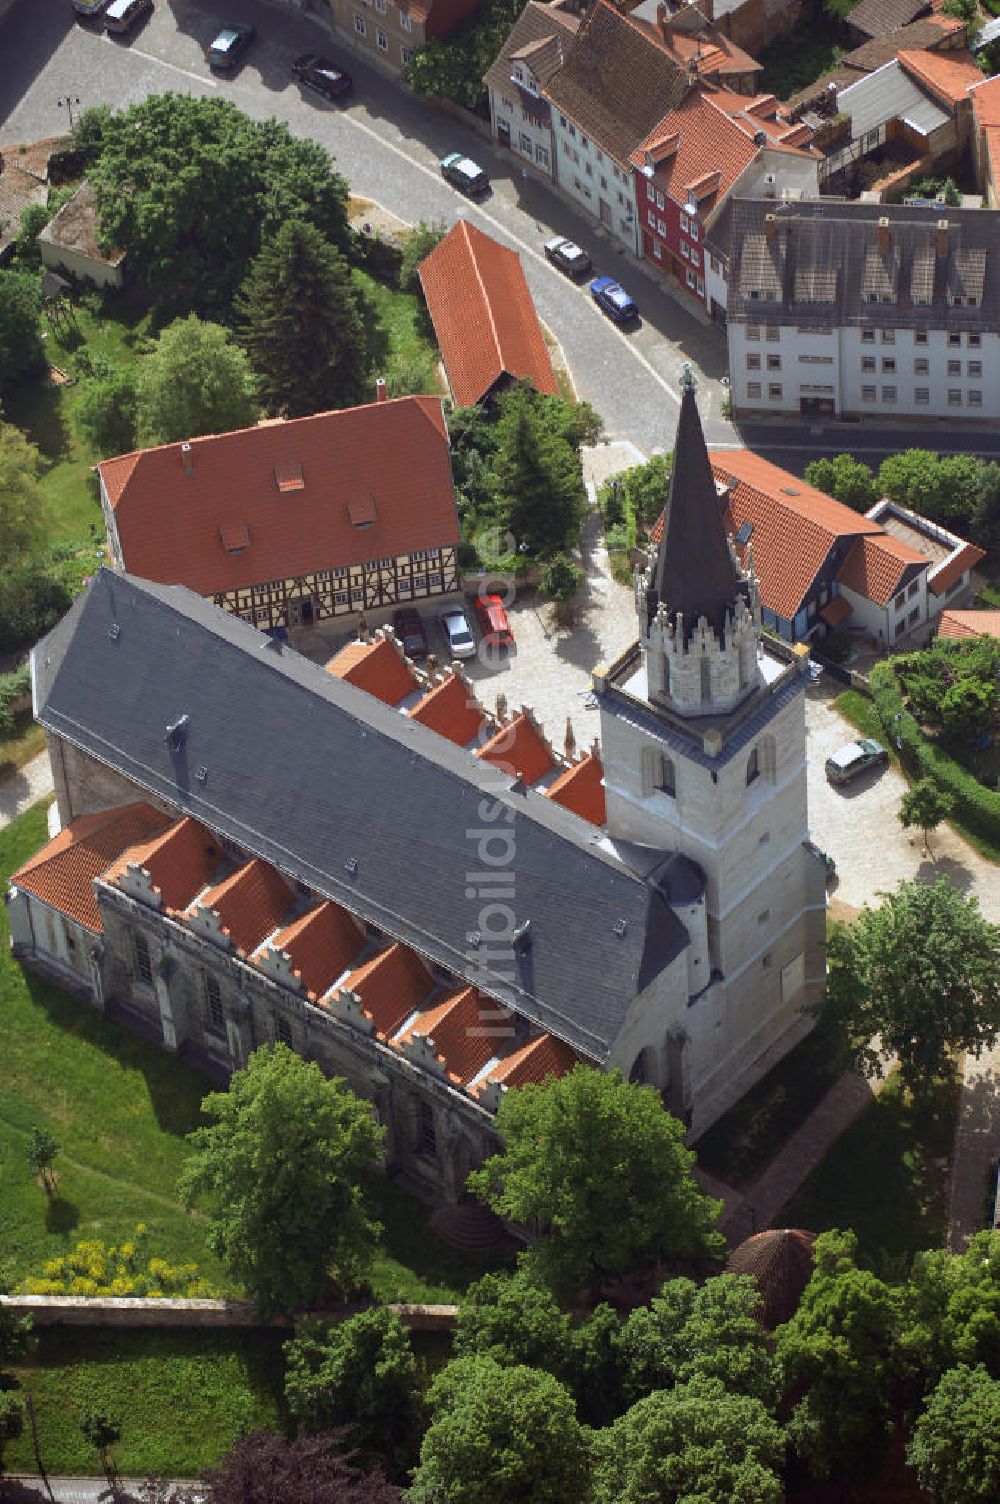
[613,300]
[89,8]
[567,255]
[121,15]
[322,76]
[409,629]
[853,758]
[493,621]
[465,174]
[230,45]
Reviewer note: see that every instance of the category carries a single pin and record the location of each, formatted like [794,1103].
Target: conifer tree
[301,326]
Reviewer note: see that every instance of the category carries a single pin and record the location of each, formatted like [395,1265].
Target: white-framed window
[774,389]
[921,395]
[716,264]
[975,397]
[753,331]
[954,340]
[651,219]
[359,25]
[685,249]
[868,393]
[974,368]
[695,257]
[753,389]
[888,394]
[701,288]
[690,277]
[889,365]
[381,40]
[694,229]
[661,228]
[525,144]
[659,200]
[684,223]
[974,341]
[405,24]
[920,337]
[868,336]
[774,362]
[542,156]
[753,360]
[921,365]
[954,396]
[657,250]
[954,368]
[772,333]
[868,362]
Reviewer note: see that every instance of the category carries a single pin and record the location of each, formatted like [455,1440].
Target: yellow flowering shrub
[94,1269]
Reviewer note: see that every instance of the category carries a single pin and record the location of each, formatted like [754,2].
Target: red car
[493,621]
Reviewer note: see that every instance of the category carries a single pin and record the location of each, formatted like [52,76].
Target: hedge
[976,807]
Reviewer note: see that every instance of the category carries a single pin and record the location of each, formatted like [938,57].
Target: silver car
[457,632]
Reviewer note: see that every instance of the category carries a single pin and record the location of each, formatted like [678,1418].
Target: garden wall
[67,1310]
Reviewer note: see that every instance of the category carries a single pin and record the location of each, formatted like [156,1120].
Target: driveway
[858,824]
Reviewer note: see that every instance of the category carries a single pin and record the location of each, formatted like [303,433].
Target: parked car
[567,255]
[853,758]
[89,8]
[457,632]
[493,621]
[229,46]
[122,15]
[613,300]
[465,174]
[319,74]
[409,629]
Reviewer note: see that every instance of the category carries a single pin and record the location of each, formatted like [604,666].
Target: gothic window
[753,767]
[428,1132]
[215,1018]
[282,1029]
[143,962]
[706,678]
[658,775]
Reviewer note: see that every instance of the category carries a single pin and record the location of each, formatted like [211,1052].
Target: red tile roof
[519,748]
[876,565]
[946,75]
[707,52]
[321,944]
[985,97]
[534,1062]
[377,667]
[696,138]
[836,611]
[466,1029]
[941,579]
[250,903]
[390,458]
[483,315]
[391,985]
[181,861]
[62,873]
[969,624]
[581,789]
[452,710]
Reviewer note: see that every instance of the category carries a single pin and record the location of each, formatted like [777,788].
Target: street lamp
[68,101]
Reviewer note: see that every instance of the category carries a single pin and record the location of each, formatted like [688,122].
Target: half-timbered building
[294,522]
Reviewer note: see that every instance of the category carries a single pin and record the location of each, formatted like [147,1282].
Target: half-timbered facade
[292,523]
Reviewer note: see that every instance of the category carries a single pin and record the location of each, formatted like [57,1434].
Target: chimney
[883,237]
[661,16]
[941,238]
[187,459]
[770,228]
[380,390]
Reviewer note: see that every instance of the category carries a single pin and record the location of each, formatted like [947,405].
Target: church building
[427,899]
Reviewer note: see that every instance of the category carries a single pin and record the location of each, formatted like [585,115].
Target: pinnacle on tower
[695,574]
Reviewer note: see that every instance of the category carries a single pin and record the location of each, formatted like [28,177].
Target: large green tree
[106,410]
[695,1444]
[22,353]
[194,381]
[300,324]
[849,480]
[23,513]
[514,1319]
[836,1359]
[951,1311]
[281,1161]
[191,188]
[922,972]
[601,1166]
[955,1448]
[538,477]
[359,1374]
[499,1435]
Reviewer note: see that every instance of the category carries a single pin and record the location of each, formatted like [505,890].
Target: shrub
[561,579]
[95,1269]
[13,687]
[31,602]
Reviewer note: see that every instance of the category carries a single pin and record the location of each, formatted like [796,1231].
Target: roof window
[362,511]
[288,476]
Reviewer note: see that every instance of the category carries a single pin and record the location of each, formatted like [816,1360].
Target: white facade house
[520,114]
[596,182]
[857,310]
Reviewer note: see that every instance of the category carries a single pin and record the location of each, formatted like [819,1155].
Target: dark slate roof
[819,264]
[877,17]
[617,82]
[313,775]
[695,574]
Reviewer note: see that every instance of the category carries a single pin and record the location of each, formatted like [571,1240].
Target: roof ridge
[473,253]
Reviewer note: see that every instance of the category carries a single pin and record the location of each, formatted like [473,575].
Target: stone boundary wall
[70,1310]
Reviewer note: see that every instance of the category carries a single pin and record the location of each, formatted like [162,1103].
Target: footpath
[20,790]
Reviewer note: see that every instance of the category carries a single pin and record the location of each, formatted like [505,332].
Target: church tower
[704,752]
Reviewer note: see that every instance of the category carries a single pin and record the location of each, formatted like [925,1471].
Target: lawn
[20,744]
[181,1398]
[741,1143]
[886,1177]
[793,61]
[400,336]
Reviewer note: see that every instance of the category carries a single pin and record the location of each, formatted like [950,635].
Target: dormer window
[362,512]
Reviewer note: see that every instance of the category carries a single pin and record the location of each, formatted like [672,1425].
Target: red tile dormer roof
[466,1029]
[181,861]
[62,874]
[520,750]
[452,710]
[534,1062]
[941,579]
[309,494]
[483,315]
[581,789]
[250,903]
[877,565]
[321,944]
[377,667]
[390,985]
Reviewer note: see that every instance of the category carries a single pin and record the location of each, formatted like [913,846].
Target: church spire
[694,574]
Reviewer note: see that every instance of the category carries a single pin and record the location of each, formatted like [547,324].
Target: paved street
[25,787]
[793,445]
[387,144]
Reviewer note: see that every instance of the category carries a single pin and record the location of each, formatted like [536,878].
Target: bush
[561,579]
[422,239]
[13,687]
[94,1269]
[31,602]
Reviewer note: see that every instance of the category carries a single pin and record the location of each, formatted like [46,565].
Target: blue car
[613,300]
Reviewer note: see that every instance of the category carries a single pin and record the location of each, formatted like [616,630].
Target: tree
[103,1433]
[922,971]
[955,1448]
[422,239]
[514,1319]
[695,1442]
[951,1311]
[561,580]
[499,1436]
[925,805]
[835,1353]
[539,478]
[266,1469]
[601,1166]
[596,1371]
[194,381]
[107,409]
[11,1420]
[300,324]
[282,1161]
[961,10]
[22,353]
[359,1375]
[644,488]
[849,480]
[967,708]
[191,188]
[23,513]
[41,1150]
[913,478]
